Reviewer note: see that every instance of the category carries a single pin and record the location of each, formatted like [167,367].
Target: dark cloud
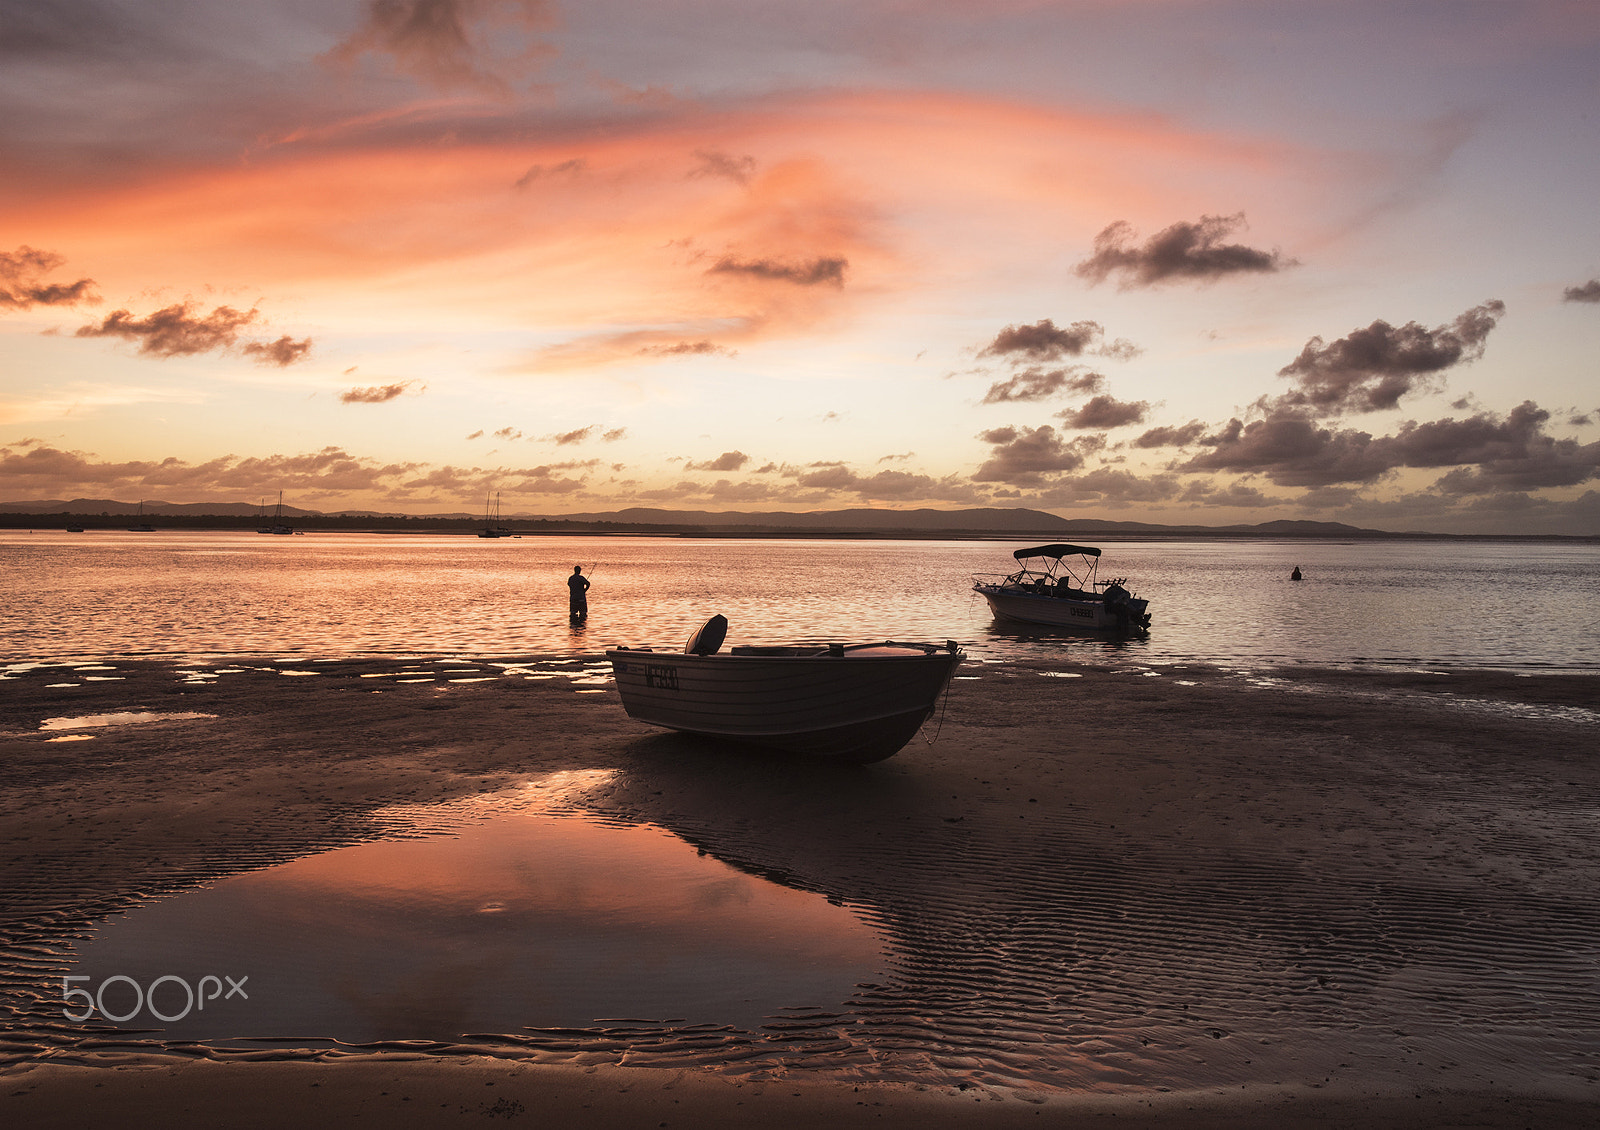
[1291,449]
[283,352]
[477,434]
[1512,453]
[688,348]
[1230,494]
[1181,436]
[469,481]
[828,476]
[1183,251]
[1371,369]
[1588,292]
[905,485]
[714,164]
[577,435]
[1108,485]
[612,435]
[1481,438]
[1025,456]
[1120,350]
[376,394]
[549,479]
[727,461]
[51,472]
[1040,384]
[1327,498]
[1105,412]
[818,272]
[507,433]
[1488,451]
[175,331]
[23,285]
[1044,341]
[540,172]
[450,43]
[726,491]
[896,486]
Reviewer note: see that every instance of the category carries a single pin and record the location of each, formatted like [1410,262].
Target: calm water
[527,919]
[1525,606]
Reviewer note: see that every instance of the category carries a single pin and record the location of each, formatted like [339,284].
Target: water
[1531,606]
[526,919]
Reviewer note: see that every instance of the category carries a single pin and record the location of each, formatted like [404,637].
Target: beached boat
[845,702]
[1049,589]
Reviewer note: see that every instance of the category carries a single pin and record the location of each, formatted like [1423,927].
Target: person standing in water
[578,594]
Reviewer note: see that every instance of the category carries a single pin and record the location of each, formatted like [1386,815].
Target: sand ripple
[1113,882]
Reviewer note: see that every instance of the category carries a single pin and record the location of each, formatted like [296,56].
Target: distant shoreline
[550,527]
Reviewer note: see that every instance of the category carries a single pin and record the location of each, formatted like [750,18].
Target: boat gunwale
[803,652]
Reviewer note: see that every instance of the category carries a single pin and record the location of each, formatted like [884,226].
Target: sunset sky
[1205,261]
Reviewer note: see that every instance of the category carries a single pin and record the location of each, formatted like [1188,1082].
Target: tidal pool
[532,920]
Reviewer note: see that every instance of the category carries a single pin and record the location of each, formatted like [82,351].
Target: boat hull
[843,706]
[1054,611]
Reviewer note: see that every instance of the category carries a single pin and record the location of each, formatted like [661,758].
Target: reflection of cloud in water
[522,921]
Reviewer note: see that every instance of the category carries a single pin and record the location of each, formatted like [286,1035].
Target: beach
[1185,896]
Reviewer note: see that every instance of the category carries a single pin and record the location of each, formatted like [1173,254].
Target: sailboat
[141,527]
[277,526]
[491,519]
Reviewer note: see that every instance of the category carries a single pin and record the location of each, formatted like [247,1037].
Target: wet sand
[1184,898]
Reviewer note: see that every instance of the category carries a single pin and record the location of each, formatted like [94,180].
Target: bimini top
[1056,551]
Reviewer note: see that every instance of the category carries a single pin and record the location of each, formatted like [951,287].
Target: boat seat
[708,637]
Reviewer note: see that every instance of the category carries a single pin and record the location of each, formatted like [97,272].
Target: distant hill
[1014,519]
[996,521]
[90,507]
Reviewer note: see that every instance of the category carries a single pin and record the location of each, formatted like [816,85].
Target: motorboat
[1058,585]
[846,702]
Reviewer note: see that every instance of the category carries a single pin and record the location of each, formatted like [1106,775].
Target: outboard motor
[1116,599]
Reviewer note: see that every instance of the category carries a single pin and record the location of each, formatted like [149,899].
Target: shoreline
[1259,833]
[456,527]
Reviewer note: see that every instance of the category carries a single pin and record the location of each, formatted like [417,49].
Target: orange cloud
[620,252]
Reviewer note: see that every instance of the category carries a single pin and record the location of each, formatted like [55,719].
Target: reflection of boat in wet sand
[847,702]
[1062,596]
